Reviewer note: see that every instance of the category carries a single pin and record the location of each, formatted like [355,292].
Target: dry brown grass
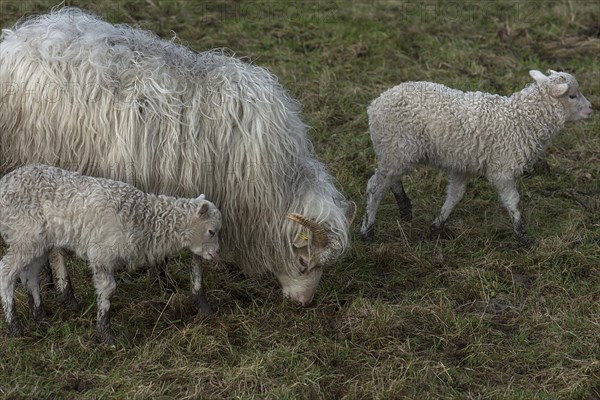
[470,317]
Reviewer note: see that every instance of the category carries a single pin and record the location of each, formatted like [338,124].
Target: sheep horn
[320,238]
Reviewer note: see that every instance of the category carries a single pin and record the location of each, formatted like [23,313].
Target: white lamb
[467,134]
[108,223]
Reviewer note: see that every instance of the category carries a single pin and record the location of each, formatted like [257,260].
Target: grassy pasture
[473,316]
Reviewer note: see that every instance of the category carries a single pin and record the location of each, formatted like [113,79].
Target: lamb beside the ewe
[467,134]
[108,223]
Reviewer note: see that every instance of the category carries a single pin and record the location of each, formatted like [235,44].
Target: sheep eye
[304,264]
[573,96]
[211,232]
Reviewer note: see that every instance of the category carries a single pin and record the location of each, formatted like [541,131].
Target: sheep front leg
[402,200]
[376,188]
[10,267]
[30,277]
[62,281]
[507,189]
[457,185]
[104,282]
[197,296]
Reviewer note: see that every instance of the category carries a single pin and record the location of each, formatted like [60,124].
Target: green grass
[474,316]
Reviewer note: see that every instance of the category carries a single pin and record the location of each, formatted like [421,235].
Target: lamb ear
[201,197]
[203,209]
[538,76]
[559,90]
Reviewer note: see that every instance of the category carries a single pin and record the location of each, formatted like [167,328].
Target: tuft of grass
[472,316]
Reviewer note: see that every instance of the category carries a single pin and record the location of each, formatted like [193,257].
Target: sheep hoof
[437,232]
[404,206]
[205,309]
[526,240]
[368,235]
[38,314]
[201,305]
[15,329]
[69,302]
[541,166]
[106,336]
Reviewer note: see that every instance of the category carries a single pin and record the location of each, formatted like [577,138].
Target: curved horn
[320,238]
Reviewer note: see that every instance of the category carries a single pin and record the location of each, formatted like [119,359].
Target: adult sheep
[116,102]
[467,134]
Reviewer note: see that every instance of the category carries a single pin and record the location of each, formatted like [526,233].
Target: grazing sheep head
[313,248]
[565,89]
[204,229]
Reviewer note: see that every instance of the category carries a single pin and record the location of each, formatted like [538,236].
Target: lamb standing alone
[467,134]
[107,222]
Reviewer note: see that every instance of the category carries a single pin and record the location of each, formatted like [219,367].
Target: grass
[474,316]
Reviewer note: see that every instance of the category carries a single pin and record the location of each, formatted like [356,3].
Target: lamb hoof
[437,232]
[522,236]
[15,329]
[526,241]
[70,303]
[38,314]
[405,209]
[368,235]
[541,166]
[202,306]
[67,299]
[106,336]
[205,309]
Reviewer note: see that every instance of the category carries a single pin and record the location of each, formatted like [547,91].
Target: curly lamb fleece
[108,223]
[467,134]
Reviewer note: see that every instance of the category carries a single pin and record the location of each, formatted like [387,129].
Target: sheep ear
[203,209]
[538,76]
[201,197]
[559,90]
[550,71]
